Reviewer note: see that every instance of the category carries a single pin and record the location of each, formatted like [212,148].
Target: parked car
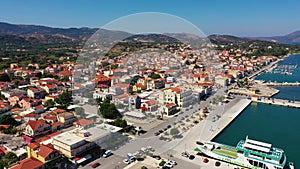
[172,162]
[191,157]
[96,164]
[205,160]
[107,153]
[168,165]
[126,161]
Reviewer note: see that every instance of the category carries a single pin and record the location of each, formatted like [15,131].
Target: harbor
[271,119]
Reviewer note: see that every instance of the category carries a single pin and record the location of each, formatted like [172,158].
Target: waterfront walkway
[280,102]
[282,84]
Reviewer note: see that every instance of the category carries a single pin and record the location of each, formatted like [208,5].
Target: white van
[107,153]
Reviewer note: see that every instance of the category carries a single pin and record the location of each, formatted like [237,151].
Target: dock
[280,102]
[227,114]
[282,84]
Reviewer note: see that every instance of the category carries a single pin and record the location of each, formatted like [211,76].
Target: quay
[279,102]
[228,113]
[282,84]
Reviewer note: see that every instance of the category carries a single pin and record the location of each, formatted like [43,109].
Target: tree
[8,119]
[119,122]
[155,76]
[11,157]
[174,131]
[49,103]
[108,110]
[4,77]
[79,111]
[64,98]
[144,167]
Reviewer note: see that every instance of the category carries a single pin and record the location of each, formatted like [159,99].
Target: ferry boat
[248,153]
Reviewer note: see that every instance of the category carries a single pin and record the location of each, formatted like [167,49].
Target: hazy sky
[235,17]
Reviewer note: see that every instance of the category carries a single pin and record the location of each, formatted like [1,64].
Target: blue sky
[235,17]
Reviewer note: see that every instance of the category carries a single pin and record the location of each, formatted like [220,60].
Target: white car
[126,161]
[107,153]
[168,165]
[172,162]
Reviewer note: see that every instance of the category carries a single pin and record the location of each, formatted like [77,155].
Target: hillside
[292,38]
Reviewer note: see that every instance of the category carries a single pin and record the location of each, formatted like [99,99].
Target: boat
[291,165]
[248,153]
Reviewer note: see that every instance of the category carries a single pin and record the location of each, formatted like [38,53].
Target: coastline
[230,115]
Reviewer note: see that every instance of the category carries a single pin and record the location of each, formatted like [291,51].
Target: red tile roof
[175,89]
[35,124]
[28,163]
[84,122]
[45,150]
[169,105]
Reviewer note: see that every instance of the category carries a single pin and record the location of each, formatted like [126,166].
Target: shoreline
[231,114]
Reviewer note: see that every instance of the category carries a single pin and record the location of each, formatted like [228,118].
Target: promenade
[282,84]
[280,102]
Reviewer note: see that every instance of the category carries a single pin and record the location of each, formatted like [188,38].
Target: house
[66,118]
[150,105]
[37,93]
[43,153]
[29,163]
[37,128]
[170,108]
[15,98]
[50,118]
[50,88]
[55,126]
[39,109]
[180,96]
[27,103]
[84,123]
[31,116]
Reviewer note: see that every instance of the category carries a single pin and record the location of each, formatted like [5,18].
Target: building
[66,118]
[29,163]
[181,97]
[78,142]
[44,153]
[37,128]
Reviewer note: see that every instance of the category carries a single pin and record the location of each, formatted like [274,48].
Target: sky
[233,17]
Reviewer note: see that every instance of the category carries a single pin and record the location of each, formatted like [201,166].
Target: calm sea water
[274,124]
[292,60]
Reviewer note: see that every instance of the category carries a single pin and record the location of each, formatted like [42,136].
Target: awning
[84,159]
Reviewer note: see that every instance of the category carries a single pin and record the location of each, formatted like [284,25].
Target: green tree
[155,76]
[109,110]
[8,119]
[64,98]
[79,111]
[49,103]
[174,131]
[4,77]
[119,122]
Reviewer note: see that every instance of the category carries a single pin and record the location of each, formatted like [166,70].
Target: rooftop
[68,138]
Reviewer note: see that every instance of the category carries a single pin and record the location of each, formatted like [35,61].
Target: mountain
[44,34]
[292,38]
[227,39]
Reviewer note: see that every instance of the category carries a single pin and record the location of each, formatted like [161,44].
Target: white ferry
[248,153]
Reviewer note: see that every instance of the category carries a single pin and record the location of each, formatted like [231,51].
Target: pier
[282,84]
[228,114]
[280,102]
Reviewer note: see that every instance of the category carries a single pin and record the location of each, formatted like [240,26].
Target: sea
[277,125]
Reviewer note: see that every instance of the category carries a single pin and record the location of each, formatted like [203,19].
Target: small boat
[291,165]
